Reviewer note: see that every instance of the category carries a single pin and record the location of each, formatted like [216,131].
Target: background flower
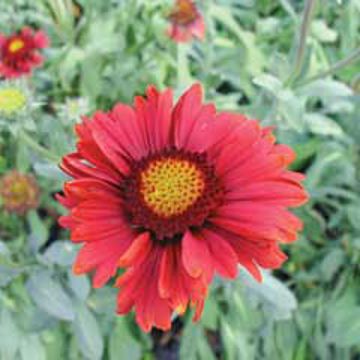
[19,52]
[12,100]
[186,21]
[19,192]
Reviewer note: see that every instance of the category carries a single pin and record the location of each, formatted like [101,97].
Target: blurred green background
[292,64]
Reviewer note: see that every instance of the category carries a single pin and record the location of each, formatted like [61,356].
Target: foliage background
[263,58]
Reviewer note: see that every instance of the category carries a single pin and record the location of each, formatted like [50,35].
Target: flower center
[170,186]
[11,100]
[184,12]
[16,45]
[19,191]
[170,191]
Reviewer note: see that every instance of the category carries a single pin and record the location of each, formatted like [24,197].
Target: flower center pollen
[169,192]
[16,45]
[170,186]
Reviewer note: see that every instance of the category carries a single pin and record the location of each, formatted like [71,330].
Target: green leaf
[353,211]
[209,318]
[22,158]
[9,335]
[91,69]
[61,252]
[49,171]
[55,343]
[268,82]
[190,341]
[106,40]
[322,125]
[50,296]
[4,251]
[322,32]
[278,301]
[39,232]
[194,344]
[331,263]
[88,333]
[31,348]
[235,342]
[8,272]
[80,285]
[103,300]
[255,60]
[204,349]
[325,89]
[304,151]
[343,327]
[122,344]
[291,109]
[71,59]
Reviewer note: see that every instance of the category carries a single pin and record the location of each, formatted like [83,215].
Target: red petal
[195,255]
[223,255]
[138,250]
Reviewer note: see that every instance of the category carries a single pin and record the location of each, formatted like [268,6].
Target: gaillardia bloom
[14,98]
[19,193]
[19,52]
[186,22]
[175,195]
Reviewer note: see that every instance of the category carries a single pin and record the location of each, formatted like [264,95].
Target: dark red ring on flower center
[169,192]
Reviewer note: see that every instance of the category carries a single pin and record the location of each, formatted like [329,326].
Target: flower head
[19,52]
[72,110]
[14,98]
[19,192]
[175,195]
[186,22]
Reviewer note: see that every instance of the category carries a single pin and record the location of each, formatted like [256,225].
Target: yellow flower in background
[14,98]
[11,100]
[19,192]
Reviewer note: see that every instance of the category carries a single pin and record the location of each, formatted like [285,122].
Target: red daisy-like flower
[19,192]
[186,22]
[19,52]
[175,195]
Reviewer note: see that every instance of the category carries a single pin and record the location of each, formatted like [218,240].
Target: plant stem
[183,72]
[38,148]
[355,55]
[304,31]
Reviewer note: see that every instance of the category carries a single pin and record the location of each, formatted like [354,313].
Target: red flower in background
[19,192]
[186,22]
[175,195]
[19,52]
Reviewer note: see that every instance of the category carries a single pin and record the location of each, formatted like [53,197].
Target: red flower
[175,195]
[19,52]
[19,192]
[186,22]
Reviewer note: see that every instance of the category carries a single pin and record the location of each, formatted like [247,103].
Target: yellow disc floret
[170,186]
[16,45]
[11,100]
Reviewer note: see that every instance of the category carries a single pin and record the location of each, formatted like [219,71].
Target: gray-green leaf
[50,296]
[88,333]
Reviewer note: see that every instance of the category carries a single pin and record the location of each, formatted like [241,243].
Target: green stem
[183,72]
[304,31]
[38,148]
[355,55]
